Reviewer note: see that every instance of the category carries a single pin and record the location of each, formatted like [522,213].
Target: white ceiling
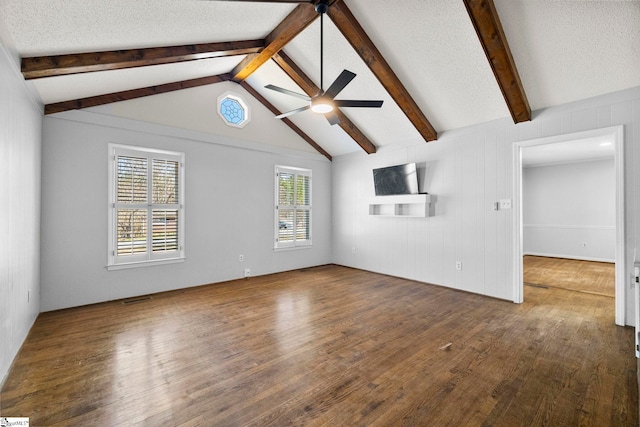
[565,50]
[580,150]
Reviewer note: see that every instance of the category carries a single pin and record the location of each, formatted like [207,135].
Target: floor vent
[136,300]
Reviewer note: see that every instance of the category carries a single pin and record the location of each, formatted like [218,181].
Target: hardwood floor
[585,276]
[328,346]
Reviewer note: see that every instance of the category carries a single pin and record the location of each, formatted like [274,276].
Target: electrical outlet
[505,204]
[247,272]
[458,265]
[353,250]
[241,258]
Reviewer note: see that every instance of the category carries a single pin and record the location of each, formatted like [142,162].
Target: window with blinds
[145,221]
[292,207]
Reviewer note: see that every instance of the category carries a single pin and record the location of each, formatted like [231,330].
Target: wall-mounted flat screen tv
[399,179]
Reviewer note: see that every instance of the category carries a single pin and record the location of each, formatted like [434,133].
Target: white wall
[229,209]
[465,174]
[467,170]
[20,145]
[194,109]
[569,210]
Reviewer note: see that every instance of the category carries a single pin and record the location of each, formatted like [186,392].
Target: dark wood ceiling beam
[310,88]
[272,1]
[93,101]
[285,120]
[485,20]
[299,19]
[58,65]
[296,74]
[355,34]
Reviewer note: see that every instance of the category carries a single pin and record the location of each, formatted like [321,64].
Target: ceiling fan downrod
[322,7]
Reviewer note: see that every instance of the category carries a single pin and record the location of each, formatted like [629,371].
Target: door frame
[617,134]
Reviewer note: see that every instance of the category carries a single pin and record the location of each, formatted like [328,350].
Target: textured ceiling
[571,50]
[70,26]
[564,50]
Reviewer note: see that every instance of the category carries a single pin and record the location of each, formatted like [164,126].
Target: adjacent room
[569,235]
[319,212]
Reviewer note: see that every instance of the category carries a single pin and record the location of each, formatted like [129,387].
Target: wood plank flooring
[584,276]
[328,346]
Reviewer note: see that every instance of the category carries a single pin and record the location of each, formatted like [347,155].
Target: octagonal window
[233,110]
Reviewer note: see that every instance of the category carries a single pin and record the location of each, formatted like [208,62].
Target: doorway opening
[613,135]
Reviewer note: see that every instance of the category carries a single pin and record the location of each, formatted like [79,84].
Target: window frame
[295,243]
[241,102]
[117,262]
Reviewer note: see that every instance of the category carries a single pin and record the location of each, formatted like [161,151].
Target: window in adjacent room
[146,201]
[292,207]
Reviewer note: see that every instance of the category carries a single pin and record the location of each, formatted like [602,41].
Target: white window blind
[292,207]
[146,210]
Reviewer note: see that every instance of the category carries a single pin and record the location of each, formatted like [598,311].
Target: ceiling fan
[324,102]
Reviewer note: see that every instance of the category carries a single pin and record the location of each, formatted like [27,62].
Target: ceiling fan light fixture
[321,105]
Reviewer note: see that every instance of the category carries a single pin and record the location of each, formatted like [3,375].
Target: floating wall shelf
[405,205]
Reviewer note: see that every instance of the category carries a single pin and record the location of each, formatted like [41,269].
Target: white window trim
[295,244]
[143,260]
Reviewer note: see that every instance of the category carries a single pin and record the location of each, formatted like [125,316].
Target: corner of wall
[21,121]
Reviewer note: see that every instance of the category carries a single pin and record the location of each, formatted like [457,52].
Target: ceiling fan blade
[354,103]
[332,117]
[292,112]
[343,79]
[288,92]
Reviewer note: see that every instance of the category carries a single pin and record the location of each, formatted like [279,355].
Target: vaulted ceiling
[437,64]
